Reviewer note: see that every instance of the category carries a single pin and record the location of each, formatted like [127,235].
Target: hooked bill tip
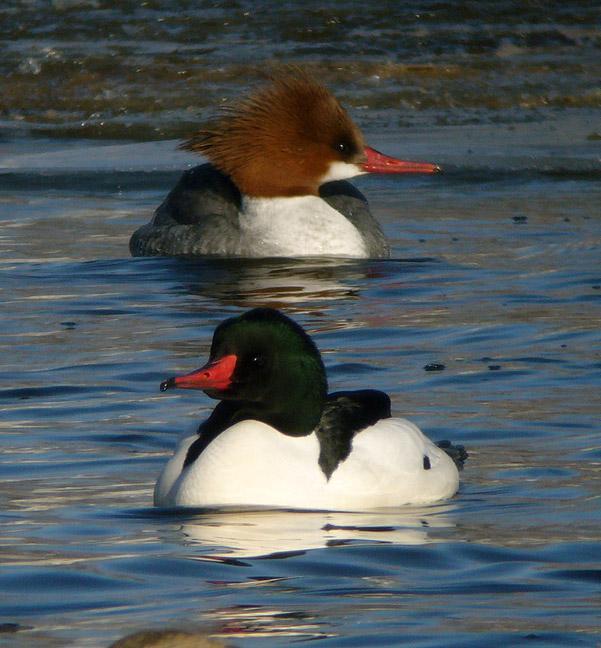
[167,384]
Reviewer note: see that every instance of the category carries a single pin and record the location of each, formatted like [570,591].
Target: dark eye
[257,361]
[346,148]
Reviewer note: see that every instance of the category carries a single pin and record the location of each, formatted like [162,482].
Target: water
[494,275]
[101,68]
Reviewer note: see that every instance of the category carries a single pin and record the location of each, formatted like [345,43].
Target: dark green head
[267,368]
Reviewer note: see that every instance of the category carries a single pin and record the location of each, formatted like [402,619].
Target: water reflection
[278,282]
[264,621]
[229,536]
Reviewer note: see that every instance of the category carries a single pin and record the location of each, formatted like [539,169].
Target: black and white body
[278,439]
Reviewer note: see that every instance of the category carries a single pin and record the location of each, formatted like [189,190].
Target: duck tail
[458,453]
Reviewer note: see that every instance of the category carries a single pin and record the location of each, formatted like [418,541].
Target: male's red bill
[214,375]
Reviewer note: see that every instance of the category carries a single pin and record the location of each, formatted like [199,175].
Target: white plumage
[252,464]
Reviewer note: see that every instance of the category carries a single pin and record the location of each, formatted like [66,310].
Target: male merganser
[274,187]
[278,439]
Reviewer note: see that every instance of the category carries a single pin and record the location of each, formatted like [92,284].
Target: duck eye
[343,147]
[257,361]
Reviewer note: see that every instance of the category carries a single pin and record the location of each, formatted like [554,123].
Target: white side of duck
[253,464]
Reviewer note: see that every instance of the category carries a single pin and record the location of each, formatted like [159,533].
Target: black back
[345,414]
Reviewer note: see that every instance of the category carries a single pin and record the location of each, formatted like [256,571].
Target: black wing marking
[345,414]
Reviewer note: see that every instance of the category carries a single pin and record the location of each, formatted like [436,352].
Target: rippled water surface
[495,277]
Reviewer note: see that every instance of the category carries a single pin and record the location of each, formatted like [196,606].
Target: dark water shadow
[276,282]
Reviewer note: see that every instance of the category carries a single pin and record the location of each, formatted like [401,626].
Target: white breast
[252,464]
[298,226]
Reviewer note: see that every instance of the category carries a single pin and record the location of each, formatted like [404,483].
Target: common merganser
[274,186]
[278,439]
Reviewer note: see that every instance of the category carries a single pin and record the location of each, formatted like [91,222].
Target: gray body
[200,217]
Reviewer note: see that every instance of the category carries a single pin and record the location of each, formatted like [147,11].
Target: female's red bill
[377,162]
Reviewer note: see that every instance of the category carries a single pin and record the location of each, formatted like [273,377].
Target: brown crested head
[283,139]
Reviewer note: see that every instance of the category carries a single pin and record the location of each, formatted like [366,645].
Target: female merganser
[274,186]
[278,439]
